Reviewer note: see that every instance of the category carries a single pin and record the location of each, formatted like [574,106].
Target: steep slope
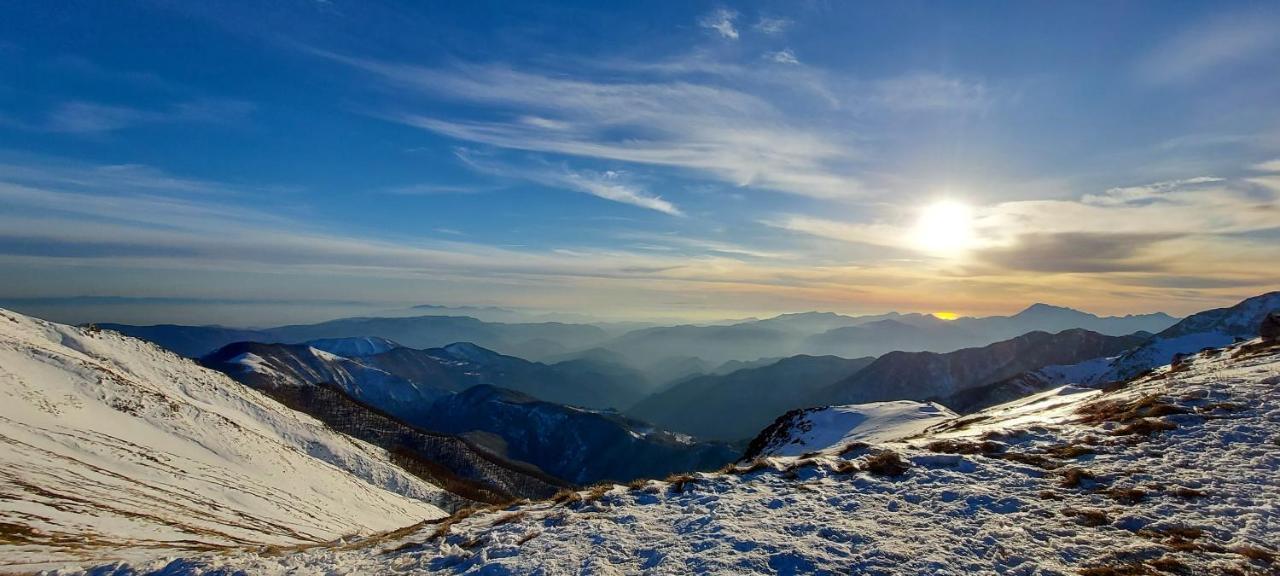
[270,366]
[1172,473]
[1211,328]
[925,375]
[580,446]
[810,430]
[589,382]
[115,448]
[382,409]
[574,445]
[463,467]
[737,405]
[353,346]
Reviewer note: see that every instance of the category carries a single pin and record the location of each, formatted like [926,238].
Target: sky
[249,163]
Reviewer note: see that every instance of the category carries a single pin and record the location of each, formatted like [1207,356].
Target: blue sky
[244,164]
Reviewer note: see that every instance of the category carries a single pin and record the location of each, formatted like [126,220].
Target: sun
[945,228]
[948,316]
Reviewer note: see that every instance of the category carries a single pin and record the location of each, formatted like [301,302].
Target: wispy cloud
[784,56]
[872,234]
[1137,228]
[430,189]
[734,136]
[772,25]
[1145,193]
[930,91]
[1268,166]
[609,184]
[80,117]
[721,21]
[1225,40]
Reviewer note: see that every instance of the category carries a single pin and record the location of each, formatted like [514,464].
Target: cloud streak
[609,185]
[721,21]
[1226,40]
[728,134]
[81,117]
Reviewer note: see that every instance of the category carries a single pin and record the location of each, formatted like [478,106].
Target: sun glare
[945,227]
[945,315]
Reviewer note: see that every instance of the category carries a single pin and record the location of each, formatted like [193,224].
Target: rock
[1270,329]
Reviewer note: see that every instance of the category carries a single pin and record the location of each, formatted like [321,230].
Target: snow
[354,346]
[1208,329]
[1194,499]
[112,448]
[832,427]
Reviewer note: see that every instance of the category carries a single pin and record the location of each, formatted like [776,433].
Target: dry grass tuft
[1144,427]
[597,492]
[1150,406]
[1126,496]
[567,496]
[1029,459]
[1169,564]
[755,466]
[1189,493]
[1074,477]
[844,467]
[852,447]
[442,529]
[1255,553]
[679,482]
[1220,406]
[964,447]
[1088,516]
[527,537]
[886,463]
[509,518]
[1128,569]
[1068,451]
[1002,435]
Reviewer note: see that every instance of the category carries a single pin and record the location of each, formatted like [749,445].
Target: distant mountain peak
[1040,308]
[469,351]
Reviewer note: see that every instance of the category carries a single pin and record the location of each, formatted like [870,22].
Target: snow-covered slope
[264,366]
[1208,329]
[386,410]
[113,448]
[354,346]
[1173,472]
[817,429]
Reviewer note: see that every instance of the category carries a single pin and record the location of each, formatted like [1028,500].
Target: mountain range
[1208,329]
[737,405]
[668,353]
[449,390]
[1170,473]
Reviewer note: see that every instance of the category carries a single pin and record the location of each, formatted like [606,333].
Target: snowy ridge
[355,346]
[113,448]
[1209,329]
[1173,472]
[823,429]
